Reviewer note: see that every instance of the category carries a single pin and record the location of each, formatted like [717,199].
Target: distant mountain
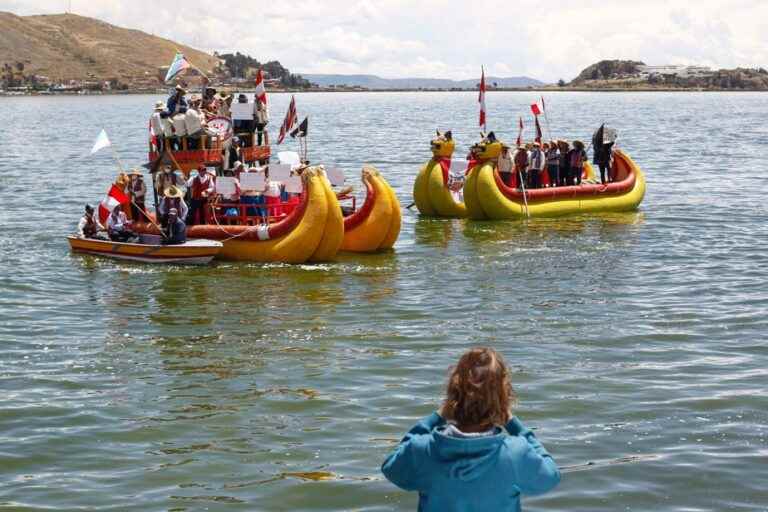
[68,46]
[377,82]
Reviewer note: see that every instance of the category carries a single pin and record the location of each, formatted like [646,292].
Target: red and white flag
[535,109]
[261,91]
[115,196]
[289,121]
[520,133]
[481,100]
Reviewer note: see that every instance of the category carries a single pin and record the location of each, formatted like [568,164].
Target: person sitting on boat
[138,192]
[156,123]
[118,226]
[173,198]
[179,122]
[473,454]
[89,226]
[506,166]
[552,156]
[176,103]
[536,157]
[201,187]
[223,104]
[242,119]
[195,125]
[209,103]
[233,153]
[565,167]
[576,158]
[521,164]
[175,229]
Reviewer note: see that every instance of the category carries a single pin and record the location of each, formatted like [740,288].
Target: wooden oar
[149,218]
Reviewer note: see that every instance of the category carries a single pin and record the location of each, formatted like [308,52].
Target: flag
[538,129]
[102,141]
[301,130]
[115,196]
[289,121]
[520,133]
[179,64]
[481,99]
[535,109]
[261,91]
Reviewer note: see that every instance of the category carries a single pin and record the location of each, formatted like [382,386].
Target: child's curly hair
[479,390]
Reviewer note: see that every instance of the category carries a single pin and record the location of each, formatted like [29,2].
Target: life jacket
[576,159]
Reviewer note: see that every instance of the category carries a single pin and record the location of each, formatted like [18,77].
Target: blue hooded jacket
[468,474]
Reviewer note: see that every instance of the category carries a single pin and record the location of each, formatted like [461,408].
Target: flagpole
[546,118]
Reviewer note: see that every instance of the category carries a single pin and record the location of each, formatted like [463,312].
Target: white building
[680,71]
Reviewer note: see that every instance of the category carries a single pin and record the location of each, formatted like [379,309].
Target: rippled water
[250,387]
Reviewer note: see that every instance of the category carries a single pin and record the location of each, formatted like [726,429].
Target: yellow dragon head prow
[489,147]
[443,145]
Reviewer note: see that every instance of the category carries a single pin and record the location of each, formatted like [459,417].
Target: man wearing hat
[536,158]
[166,178]
[138,191]
[176,103]
[505,166]
[194,121]
[118,226]
[201,188]
[175,230]
[89,226]
[173,198]
[224,102]
[156,124]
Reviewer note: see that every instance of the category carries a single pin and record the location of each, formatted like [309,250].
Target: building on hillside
[676,70]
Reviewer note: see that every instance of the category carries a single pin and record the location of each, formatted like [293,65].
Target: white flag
[102,141]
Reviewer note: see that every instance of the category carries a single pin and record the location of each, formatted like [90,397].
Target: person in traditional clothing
[176,103]
[118,226]
[521,165]
[210,103]
[224,102]
[262,119]
[167,178]
[179,122]
[201,188]
[156,124]
[537,165]
[576,158]
[175,230]
[173,198]
[138,192]
[506,166]
[89,226]
[553,164]
[564,164]
[194,121]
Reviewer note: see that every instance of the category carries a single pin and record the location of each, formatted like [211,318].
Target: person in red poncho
[201,187]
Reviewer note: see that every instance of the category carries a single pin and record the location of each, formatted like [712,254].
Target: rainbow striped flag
[179,64]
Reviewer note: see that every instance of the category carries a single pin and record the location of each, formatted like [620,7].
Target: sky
[546,40]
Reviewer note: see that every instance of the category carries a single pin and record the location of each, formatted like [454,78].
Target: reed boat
[431,190]
[193,252]
[375,226]
[487,197]
[312,231]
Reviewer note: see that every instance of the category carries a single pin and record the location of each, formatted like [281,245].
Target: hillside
[376,82]
[68,46]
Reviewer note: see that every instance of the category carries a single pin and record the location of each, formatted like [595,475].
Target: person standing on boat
[537,165]
[89,226]
[506,166]
[167,178]
[576,158]
[603,158]
[118,226]
[262,119]
[194,121]
[173,198]
[201,188]
[473,454]
[138,192]
[565,166]
[156,124]
[553,164]
[175,230]
[521,165]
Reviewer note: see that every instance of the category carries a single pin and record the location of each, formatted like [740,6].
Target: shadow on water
[434,232]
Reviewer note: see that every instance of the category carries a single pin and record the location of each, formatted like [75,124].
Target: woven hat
[174,192]
[159,105]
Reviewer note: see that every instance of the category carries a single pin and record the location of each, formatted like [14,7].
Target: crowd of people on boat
[182,124]
[550,164]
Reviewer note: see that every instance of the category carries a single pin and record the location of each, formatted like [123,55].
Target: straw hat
[180,89]
[537,144]
[135,172]
[159,105]
[173,192]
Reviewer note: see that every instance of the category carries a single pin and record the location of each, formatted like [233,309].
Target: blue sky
[448,39]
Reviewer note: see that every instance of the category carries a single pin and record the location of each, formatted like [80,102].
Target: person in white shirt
[118,226]
[506,166]
[179,130]
[89,226]
[194,121]
[156,124]
[262,119]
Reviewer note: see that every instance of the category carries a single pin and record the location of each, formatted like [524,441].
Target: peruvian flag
[481,99]
[289,122]
[535,109]
[261,91]
[115,196]
[538,129]
[520,133]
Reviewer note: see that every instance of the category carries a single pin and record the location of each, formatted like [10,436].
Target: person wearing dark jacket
[576,158]
[473,454]
[176,230]
[565,169]
[176,103]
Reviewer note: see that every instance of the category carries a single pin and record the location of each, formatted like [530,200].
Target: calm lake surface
[252,387]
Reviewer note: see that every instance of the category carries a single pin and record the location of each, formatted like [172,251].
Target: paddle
[149,218]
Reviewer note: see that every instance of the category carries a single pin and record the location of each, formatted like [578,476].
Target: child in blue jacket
[461,459]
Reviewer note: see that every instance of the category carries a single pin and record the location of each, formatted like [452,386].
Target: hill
[70,47]
[608,69]
[377,82]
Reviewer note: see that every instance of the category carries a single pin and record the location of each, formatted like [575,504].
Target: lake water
[252,387]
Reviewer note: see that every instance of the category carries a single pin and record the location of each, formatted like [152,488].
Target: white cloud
[449,38]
